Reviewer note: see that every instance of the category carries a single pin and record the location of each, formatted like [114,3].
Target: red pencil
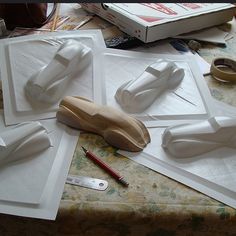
[105,167]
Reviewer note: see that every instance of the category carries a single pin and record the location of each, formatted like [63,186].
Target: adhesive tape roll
[224,69]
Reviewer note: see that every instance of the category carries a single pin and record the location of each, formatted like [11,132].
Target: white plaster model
[23,141]
[189,140]
[138,94]
[48,84]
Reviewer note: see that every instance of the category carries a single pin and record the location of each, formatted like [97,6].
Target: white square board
[33,187]
[191,100]
[212,173]
[23,56]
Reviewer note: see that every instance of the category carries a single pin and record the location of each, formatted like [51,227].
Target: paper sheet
[212,173]
[212,35]
[182,48]
[33,187]
[23,56]
[191,100]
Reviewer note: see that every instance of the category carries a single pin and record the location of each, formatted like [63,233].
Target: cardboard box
[153,21]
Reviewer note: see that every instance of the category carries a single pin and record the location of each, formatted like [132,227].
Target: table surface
[153,204]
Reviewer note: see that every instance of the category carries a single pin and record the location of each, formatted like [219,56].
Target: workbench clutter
[129,98]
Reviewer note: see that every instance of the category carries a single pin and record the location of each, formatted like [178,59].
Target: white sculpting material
[23,141]
[138,94]
[194,139]
[48,84]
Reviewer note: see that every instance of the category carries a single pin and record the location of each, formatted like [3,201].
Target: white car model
[138,94]
[22,141]
[47,84]
[189,140]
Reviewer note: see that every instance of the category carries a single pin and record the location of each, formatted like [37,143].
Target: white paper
[23,56]
[203,65]
[212,35]
[191,100]
[34,186]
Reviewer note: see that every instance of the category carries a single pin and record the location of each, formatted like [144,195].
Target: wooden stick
[54,25]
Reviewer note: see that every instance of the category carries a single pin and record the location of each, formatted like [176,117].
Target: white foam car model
[22,141]
[48,84]
[190,140]
[138,94]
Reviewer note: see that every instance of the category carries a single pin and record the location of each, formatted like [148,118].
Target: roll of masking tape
[224,69]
